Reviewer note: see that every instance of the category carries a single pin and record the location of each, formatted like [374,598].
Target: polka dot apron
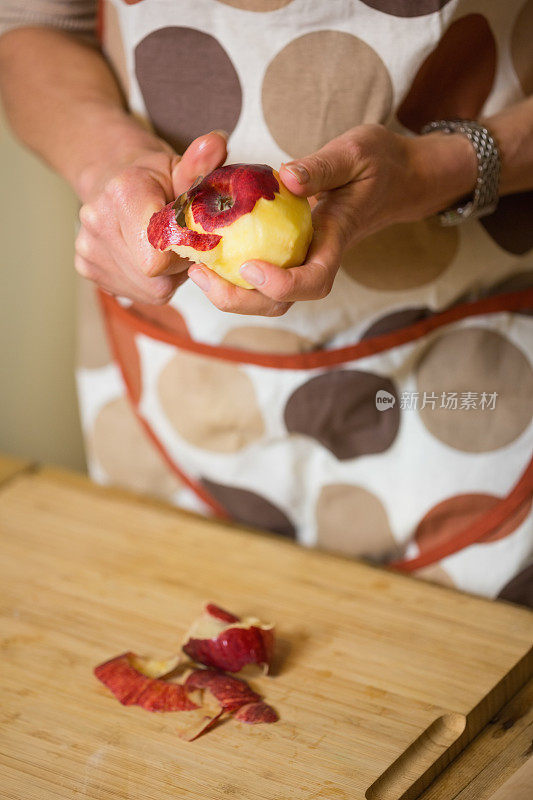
[393,419]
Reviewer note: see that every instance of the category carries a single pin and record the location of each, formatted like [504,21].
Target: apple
[220,639]
[235,214]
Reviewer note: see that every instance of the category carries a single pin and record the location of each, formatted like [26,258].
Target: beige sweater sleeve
[75,16]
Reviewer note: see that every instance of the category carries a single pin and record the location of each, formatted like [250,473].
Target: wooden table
[88,573]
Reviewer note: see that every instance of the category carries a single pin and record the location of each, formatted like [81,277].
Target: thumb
[202,156]
[334,165]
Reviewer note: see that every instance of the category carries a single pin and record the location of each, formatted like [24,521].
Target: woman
[375,401]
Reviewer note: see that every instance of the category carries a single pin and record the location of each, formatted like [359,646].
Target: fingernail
[252,273]
[299,172]
[199,277]
[224,134]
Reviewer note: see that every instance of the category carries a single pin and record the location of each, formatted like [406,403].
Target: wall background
[38,411]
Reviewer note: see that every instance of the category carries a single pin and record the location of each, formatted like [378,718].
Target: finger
[234,299]
[131,201]
[312,281]
[334,165]
[158,291]
[202,156]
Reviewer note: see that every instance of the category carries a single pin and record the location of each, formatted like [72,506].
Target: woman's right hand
[112,247]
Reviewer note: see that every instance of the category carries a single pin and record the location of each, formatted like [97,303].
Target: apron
[393,419]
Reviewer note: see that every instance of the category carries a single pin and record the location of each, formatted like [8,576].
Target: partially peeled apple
[237,213]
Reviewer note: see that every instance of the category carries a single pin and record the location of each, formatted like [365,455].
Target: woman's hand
[364,180]
[112,248]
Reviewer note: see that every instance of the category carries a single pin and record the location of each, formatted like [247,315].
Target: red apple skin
[232,693]
[164,232]
[256,713]
[233,649]
[221,613]
[241,185]
[132,688]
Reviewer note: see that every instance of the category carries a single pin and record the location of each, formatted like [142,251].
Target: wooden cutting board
[379,679]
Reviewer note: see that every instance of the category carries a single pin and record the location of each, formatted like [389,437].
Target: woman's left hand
[364,180]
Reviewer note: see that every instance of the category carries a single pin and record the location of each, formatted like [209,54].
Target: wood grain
[502,748]
[368,661]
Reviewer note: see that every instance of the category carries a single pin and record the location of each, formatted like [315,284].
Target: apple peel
[221,640]
[164,232]
[155,667]
[256,713]
[132,688]
[232,693]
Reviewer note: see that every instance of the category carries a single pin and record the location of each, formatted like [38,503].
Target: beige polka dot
[210,403]
[435,574]
[262,339]
[319,86]
[402,256]
[522,45]
[123,450]
[114,46]
[476,360]
[351,520]
[93,349]
[256,5]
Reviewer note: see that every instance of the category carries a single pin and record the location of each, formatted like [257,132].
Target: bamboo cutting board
[379,680]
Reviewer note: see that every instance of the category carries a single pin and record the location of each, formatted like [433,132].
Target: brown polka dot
[353,521]
[515,283]
[93,348]
[476,360]
[165,317]
[123,450]
[182,99]
[406,8]
[251,509]
[338,409]
[262,339]
[114,46]
[320,85]
[521,47]
[456,78]
[396,321]
[510,226]
[520,589]
[449,517]
[256,5]
[210,403]
[402,256]
[435,574]
[127,355]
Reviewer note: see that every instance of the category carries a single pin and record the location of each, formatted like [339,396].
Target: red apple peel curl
[222,640]
[256,713]
[164,232]
[132,688]
[232,693]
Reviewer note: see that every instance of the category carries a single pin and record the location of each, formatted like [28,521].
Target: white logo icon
[384,400]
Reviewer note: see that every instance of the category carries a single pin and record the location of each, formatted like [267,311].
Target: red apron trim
[196,487]
[485,524]
[514,301]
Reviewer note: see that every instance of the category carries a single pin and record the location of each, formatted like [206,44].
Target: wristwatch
[484,199]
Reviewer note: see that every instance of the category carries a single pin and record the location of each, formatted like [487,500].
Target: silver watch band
[485,196]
